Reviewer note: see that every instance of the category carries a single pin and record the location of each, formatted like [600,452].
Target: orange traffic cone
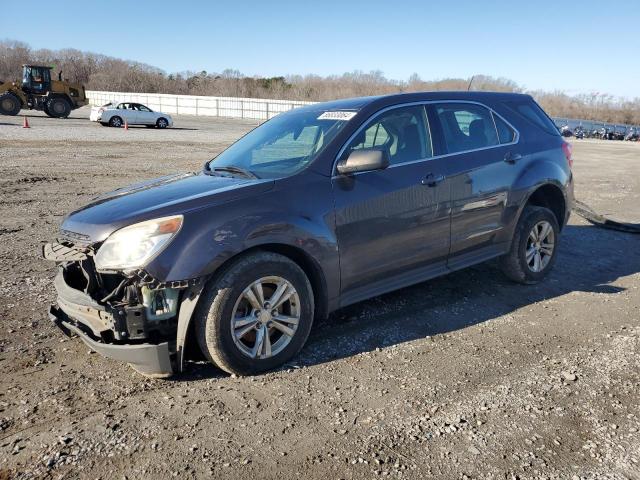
[126,125]
[25,122]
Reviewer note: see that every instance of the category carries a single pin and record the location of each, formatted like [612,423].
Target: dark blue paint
[367,233]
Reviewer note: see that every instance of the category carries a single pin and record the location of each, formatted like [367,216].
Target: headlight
[134,246]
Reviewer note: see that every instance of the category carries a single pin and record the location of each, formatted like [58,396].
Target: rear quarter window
[506,134]
[531,111]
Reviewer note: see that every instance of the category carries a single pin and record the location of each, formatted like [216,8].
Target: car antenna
[470,82]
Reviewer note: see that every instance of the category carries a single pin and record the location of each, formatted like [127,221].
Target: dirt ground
[466,376]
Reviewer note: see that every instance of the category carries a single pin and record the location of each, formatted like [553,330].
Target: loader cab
[36,79]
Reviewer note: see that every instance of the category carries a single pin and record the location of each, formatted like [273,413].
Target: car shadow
[131,127]
[590,260]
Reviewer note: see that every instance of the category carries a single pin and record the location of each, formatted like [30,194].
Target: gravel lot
[466,376]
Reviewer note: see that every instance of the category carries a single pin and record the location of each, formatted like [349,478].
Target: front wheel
[162,123]
[9,104]
[534,246]
[257,315]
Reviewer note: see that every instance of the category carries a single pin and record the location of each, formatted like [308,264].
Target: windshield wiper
[234,170]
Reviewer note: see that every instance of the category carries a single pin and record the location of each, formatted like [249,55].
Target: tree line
[101,72]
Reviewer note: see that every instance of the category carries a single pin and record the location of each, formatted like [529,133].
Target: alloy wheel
[540,246]
[265,317]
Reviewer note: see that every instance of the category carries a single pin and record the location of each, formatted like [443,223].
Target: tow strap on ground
[598,220]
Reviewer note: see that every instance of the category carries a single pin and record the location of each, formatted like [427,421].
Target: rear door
[480,147]
[126,112]
[392,225]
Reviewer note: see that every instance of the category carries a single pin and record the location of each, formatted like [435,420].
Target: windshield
[284,145]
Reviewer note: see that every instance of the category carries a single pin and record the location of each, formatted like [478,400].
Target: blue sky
[577,47]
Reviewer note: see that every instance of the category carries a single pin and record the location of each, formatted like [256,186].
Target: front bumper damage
[148,359]
[116,325]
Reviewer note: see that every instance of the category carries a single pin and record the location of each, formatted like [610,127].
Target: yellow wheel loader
[38,91]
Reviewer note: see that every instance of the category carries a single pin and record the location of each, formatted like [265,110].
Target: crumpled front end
[129,317]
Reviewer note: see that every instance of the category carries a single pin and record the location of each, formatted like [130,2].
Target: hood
[160,197]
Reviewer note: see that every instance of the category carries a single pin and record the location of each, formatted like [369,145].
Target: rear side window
[506,134]
[401,131]
[532,112]
[466,126]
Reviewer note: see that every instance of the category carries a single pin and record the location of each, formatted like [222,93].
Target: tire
[162,123]
[115,121]
[515,264]
[45,109]
[58,107]
[9,104]
[223,300]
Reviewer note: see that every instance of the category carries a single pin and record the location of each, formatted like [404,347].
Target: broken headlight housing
[134,246]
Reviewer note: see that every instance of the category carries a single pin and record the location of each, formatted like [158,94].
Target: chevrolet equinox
[318,208]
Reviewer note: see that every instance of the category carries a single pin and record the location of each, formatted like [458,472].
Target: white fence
[251,108]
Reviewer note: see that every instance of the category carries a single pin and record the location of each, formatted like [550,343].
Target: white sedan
[116,114]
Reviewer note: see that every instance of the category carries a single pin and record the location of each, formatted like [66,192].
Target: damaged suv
[315,209]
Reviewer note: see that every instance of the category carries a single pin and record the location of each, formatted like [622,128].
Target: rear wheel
[162,123]
[534,246]
[9,104]
[58,107]
[115,121]
[256,316]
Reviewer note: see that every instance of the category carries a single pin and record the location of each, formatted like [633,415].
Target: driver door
[145,115]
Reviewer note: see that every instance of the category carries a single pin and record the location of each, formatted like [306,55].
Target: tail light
[100,110]
[568,152]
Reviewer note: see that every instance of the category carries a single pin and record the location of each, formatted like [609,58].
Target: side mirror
[364,160]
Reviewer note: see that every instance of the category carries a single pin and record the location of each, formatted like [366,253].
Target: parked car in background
[116,114]
[318,208]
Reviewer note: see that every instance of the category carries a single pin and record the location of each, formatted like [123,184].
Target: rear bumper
[77,312]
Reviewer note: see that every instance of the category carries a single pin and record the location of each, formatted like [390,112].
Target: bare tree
[100,72]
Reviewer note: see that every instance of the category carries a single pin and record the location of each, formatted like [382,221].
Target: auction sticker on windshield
[337,115]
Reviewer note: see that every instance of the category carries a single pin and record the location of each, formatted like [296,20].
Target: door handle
[512,157]
[432,180]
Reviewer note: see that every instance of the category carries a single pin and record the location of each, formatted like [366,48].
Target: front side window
[283,145]
[36,77]
[466,126]
[402,132]
[142,108]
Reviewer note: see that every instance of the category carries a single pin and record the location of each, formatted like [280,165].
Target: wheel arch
[306,262]
[550,196]
[16,93]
